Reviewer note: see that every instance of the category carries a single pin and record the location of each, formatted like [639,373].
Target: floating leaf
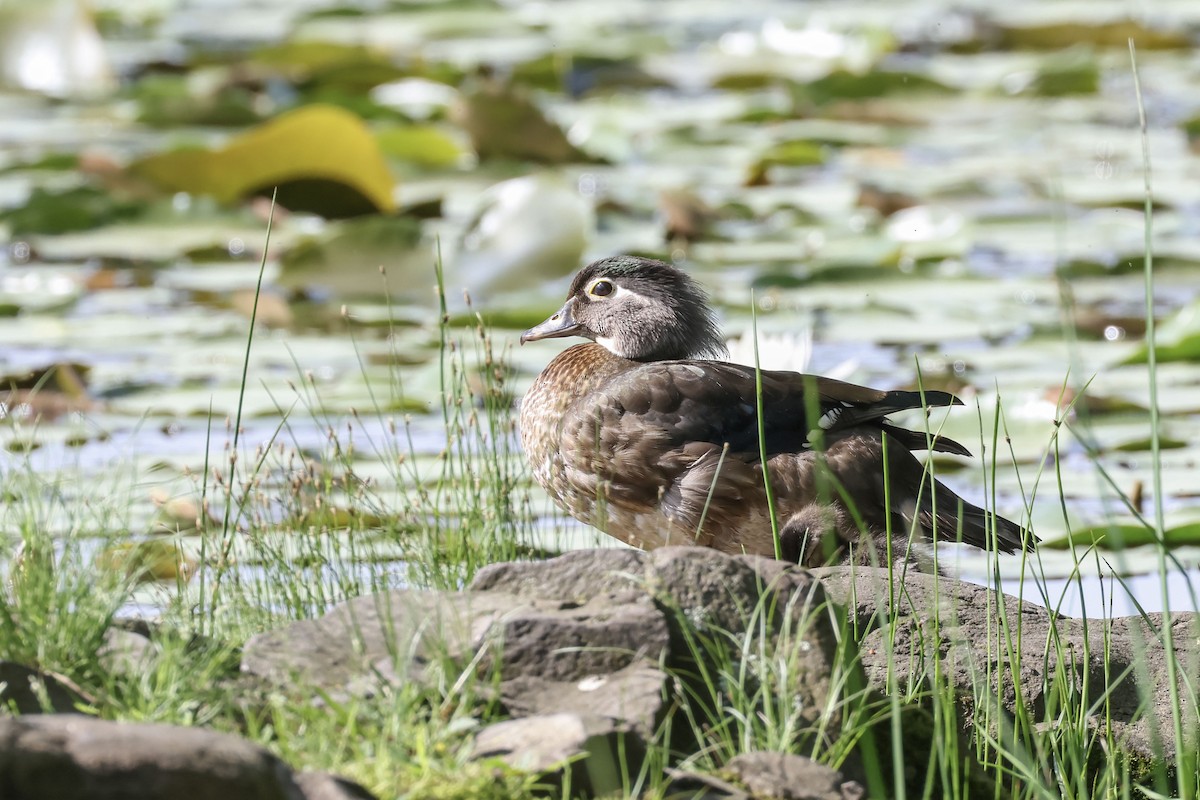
[1144,445]
[148,560]
[799,153]
[844,85]
[1114,33]
[169,100]
[504,123]
[1116,537]
[77,209]
[348,259]
[1178,338]
[322,158]
[424,145]
[51,162]
[579,74]
[348,67]
[1073,72]
[1191,129]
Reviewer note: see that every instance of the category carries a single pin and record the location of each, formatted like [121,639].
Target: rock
[636,695]
[400,635]
[578,576]
[124,652]
[561,642]
[704,594]
[717,595]
[587,646]
[961,622]
[359,641]
[324,786]
[785,776]
[684,783]
[588,751]
[31,691]
[73,757]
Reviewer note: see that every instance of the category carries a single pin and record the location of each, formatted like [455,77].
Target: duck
[645,432]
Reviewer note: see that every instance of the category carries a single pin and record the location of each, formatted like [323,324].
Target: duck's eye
[601,289]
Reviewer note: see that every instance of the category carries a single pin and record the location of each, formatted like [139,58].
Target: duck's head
[638,309]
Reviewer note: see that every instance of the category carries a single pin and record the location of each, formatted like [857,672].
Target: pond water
[903,191]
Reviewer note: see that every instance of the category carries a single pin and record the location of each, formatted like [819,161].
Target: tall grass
[296,531]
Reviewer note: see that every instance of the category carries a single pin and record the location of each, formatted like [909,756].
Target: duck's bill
[560,323]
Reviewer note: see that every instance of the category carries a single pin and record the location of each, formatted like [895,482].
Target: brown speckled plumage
[658,447]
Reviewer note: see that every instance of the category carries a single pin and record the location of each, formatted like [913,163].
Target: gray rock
[324,786]
[716,595]
[124,652]
[635,695]
[703,593]
[581,639]
[398,636]
[592,753]
[785,776]
[358,639]
[578,577]
[687,785]
[31,691]
[73,757]
[562,642]
[960,622]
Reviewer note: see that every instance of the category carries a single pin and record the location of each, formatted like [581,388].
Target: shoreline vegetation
[1050,702]
[359,593]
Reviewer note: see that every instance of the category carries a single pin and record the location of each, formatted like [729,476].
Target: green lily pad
[1115,537]
[312,62]
[1112,33]
[148,560]
[322,158]
[1178,339]
[350,257]
[51,162]
[844,85]
[800,153]
[504,123]
[169,100]
[1191,129]
[423,145]
[1073,72]
[77,209]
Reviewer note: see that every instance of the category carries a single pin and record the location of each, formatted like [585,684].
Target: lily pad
[309,63]
[423,145]
[504,123]
[367,256]
[1115,537]
[1073,72]
[844,85]
[1109,33]
[323,159]
[148,560]
[799,153]
[1178,339]
[168,100]
[77,209]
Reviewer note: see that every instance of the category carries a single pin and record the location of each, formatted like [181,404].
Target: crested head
[638,309]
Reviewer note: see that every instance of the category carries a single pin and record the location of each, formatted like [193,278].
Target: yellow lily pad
[148,560]
[322,158]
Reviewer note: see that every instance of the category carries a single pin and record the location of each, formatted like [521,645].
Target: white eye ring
[601,283]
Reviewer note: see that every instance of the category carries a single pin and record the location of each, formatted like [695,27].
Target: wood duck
[641,433]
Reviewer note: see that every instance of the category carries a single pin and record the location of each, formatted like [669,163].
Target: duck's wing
[657,435]
[713,401]
[846,405]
